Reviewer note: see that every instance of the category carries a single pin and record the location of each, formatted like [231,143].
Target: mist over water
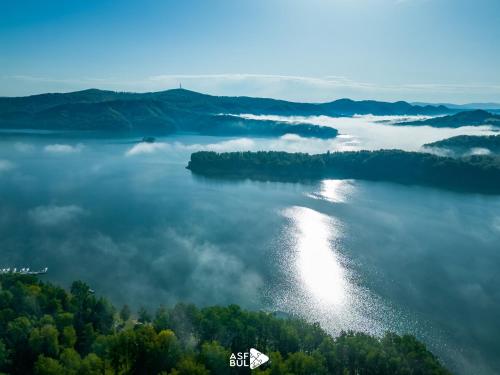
[376,132]
[130,220]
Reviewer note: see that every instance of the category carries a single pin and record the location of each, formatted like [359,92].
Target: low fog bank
[377,132]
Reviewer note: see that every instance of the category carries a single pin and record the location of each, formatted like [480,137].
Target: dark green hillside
[474,173]
[153,117]
[235,126]
[242,104]
[171,110]
[464,143]
[193,101]
[467,118]
[202,103]
[45,330]
[36,103]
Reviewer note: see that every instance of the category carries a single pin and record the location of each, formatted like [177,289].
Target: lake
[131,221]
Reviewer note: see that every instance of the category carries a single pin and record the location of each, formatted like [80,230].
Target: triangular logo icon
[257,358]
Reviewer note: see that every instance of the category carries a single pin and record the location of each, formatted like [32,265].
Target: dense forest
[476,117]
[465,143]
[46,330]
[473,173]
[177,110]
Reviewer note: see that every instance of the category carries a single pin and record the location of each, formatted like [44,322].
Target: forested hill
[45,330]
[473,174]
[467,143]
[170,111]
[466,118]
[183,99]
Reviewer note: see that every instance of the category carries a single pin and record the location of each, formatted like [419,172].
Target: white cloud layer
[357,133]
[479,151]
[146,148]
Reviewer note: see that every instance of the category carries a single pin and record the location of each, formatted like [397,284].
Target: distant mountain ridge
[494,107]
[171,110]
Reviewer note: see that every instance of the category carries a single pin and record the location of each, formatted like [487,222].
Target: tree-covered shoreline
[470,174]
[46,330]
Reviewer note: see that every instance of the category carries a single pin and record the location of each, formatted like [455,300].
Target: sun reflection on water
[318,266]
[322,288]
[335,191]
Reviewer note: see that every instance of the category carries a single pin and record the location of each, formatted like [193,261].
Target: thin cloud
[239,144]
[6,165]
[146,148]
[55,215]
[63,148]
[24,147]
[290,87]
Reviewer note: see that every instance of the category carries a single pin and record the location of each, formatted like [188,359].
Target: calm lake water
[130,220]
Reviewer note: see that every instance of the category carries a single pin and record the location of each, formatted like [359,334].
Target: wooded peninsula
[477,173]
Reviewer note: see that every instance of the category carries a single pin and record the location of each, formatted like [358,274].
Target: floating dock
[22,271]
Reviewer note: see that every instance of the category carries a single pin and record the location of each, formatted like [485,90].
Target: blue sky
[307,50]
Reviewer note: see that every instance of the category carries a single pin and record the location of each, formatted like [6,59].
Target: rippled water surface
[130,220]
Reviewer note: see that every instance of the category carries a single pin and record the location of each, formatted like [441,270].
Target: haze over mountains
[181,110]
